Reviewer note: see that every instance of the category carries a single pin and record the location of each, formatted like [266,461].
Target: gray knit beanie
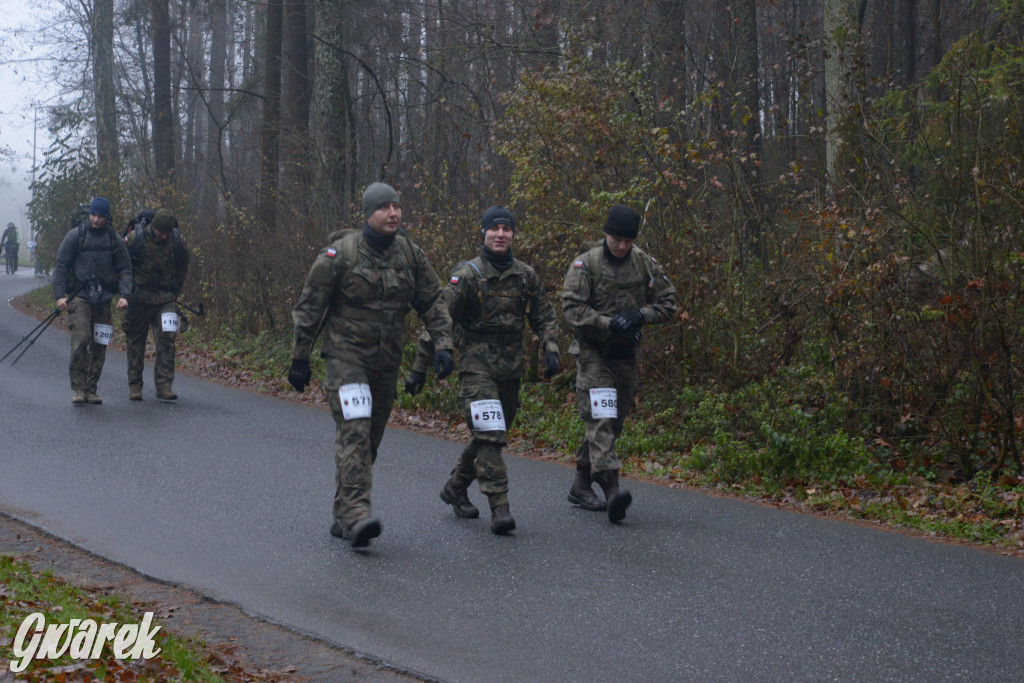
[376,196]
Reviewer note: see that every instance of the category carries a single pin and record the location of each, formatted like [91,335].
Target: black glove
[414,382]
[627,325]
[300,374]
[552,364]
[443,363]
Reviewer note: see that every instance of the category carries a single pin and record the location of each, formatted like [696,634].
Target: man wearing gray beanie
[360,288]
[609,293]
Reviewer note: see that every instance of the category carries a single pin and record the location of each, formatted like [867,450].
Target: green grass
[24,592]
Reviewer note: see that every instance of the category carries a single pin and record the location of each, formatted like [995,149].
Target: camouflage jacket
[361,305]
[595,290]
[489,310]
[158,277]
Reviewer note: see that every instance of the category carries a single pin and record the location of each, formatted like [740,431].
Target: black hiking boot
[501,520]
[618,499]
[459,500]
[581,494]
[360,533]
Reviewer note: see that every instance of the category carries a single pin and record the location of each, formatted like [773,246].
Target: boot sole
[473,514]
[617,506]
[503,528]
[364,531]
[578,502]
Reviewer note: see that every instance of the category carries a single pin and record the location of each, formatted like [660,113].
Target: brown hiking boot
[581,494]
[134,393]
[618,499]
[165,394]
[459,500]
[92,398]
[78,398]
[501,520]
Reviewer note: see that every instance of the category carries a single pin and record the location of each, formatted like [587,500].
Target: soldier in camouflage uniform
[490,298]
[359,290]
[160,259]
[609,293]
[92,261]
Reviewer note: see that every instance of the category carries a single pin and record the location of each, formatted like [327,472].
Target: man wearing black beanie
[609,293]
[490,299]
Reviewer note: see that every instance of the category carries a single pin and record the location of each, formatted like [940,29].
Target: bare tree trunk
[107,152]
[163,116]
[906,32]
[271,113]
[296,88]
[331,103]
[842,28]
[214,162]
[747,119]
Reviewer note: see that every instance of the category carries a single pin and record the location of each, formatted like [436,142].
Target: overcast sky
[23,87]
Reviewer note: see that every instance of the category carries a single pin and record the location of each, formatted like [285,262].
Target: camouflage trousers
[356,440]
[136,330]
[481,458]
[87,357]
[593,372]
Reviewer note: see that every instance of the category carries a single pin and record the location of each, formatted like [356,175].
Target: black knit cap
[622,222]
[496,215]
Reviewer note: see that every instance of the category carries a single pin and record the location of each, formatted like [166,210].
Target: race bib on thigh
[356,401]
[487,415]
[102,333]
[604,403]
[169,321]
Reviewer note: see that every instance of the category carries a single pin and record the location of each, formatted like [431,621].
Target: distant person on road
[359,290]
[610,292]
[92,262]
[490,299]
[9,246]
[160,258]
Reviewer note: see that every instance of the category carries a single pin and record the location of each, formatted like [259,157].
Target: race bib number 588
[604,403]
[356,401]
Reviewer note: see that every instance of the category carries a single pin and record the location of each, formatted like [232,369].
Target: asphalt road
[229,493]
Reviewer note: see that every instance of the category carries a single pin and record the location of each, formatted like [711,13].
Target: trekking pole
[49,319]
[44,324]
[46,321]
[201,312]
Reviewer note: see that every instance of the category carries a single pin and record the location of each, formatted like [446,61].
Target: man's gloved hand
[414,382]
[627,325]
[444,363]
[552,364]
[299,374]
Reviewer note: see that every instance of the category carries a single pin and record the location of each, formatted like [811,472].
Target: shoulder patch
[577,263]
[331,252]
[454,279]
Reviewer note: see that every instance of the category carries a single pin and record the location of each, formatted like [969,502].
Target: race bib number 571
[356,401]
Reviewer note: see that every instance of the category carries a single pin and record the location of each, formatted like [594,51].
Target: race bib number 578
[487,416]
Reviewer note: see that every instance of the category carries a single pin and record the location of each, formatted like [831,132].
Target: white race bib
[102,334]
[356,401]
[169,321]
[487,415]
[604,403]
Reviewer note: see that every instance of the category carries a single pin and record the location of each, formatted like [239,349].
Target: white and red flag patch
[331,252]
